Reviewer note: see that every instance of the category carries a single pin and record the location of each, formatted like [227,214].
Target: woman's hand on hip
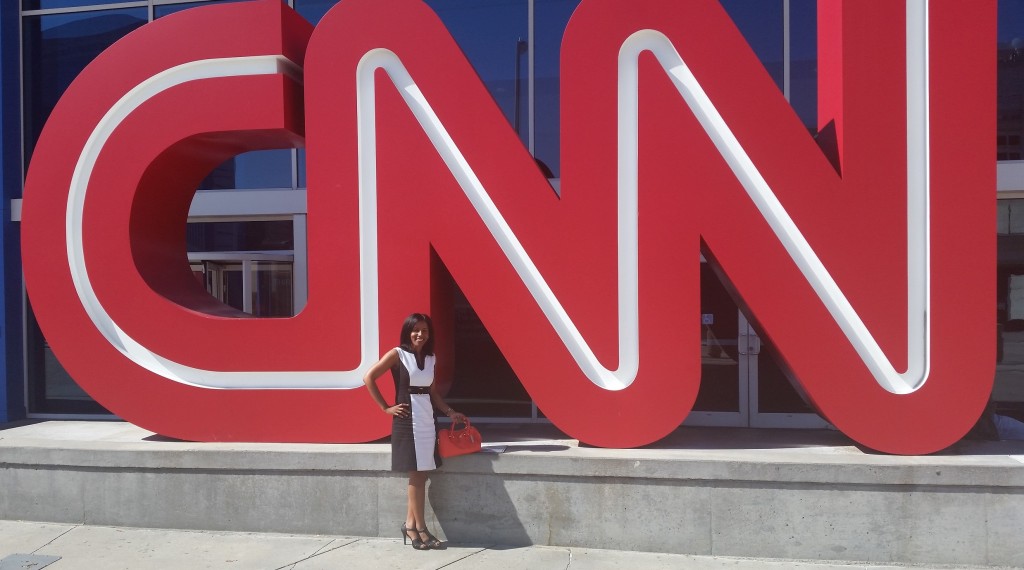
[398,410]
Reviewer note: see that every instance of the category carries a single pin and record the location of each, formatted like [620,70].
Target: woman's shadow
[471,499]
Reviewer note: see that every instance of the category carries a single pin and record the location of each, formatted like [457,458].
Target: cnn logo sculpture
[867,260]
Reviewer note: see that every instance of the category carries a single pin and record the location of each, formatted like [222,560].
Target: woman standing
[413,426]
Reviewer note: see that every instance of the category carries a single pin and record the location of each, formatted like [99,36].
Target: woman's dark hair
[407,327]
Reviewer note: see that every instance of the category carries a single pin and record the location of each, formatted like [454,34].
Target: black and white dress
[414,439]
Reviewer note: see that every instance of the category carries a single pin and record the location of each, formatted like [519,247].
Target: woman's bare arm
[370,379]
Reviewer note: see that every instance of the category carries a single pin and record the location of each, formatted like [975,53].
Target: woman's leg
[414,517]
[417,507]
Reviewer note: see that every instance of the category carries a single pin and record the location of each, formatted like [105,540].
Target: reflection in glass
[719,350]
[1010,65]
[803,61]
[52,4]
[256,169]
[51,389]
[1008,392]
[484,383]
[761,22]
[726,353]
[56,48]
[224,282]
[240,236]
[313,10]
[776,393]
[272,289]
[246,265]
[552,16]
[249,283]
[160,11]
[492,34]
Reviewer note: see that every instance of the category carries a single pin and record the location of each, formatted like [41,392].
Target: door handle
[753,344]
[749,344]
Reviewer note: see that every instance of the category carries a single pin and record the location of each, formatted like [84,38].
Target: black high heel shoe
[431,542]
[416,542]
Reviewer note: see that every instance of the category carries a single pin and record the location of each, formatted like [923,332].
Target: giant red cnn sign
[866,254]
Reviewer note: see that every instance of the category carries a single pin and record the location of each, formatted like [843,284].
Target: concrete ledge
[723,492]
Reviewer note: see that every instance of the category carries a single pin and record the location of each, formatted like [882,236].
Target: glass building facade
[246,233]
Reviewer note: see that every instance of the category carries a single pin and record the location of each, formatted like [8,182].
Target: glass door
[742,384]
[224,282]
[723,399]
[775,401]
[260,284]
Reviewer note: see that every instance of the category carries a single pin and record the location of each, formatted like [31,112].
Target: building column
[12,395]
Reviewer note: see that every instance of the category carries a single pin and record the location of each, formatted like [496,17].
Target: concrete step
[743,494]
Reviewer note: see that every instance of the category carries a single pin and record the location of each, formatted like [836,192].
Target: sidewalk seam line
[322,548]
[54,539]
[464,557]
[319,552]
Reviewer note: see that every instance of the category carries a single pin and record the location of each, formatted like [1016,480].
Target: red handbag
[452,442]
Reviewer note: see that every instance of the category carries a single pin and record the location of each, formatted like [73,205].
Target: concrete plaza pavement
[28,545]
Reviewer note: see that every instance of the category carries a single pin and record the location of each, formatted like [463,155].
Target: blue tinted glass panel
[313,10]
[47,4]
[240,236]
[50,388]
[264,169]
[1011,22]
[1010,65]
[550,20]
[492,34]
[761,22]
[56,48]
[160,11]
[803,53]
[257,169]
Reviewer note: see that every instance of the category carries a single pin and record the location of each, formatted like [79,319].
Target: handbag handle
[451,428]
